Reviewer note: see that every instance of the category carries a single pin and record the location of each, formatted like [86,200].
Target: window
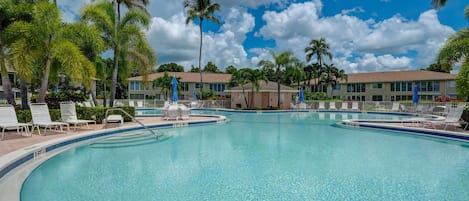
[423,86]
[184,86]
[436,86]
[392,87]
[359,87]
[197,85]
[404,86]
[377,85]
[337,87]
[409,86]
[397,86]
[135,85]
[217,87]
[377,98]
[363,98]
[393,98]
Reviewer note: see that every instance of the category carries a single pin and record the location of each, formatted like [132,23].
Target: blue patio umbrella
[302,96]
[174,84]
[195,95]
[415,99]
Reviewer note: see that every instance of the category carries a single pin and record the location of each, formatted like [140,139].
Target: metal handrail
[126,113]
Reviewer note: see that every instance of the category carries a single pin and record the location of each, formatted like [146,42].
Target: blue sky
[365,35]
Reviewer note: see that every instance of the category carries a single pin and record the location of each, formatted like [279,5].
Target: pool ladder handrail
[131,117]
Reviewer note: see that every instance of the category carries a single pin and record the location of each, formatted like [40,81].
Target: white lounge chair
[41,118]
[344,106]
[140,104]
[8,120]
[171,112]
[68,114]
[114,118]
[332,106]
[355,106]
[131,103]
[395,107]
[453,118]
[184,112]
[321,106]
[194,104]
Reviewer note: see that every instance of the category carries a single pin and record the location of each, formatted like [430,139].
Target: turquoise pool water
[281,156]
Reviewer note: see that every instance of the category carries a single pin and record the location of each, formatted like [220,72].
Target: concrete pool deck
[14,141]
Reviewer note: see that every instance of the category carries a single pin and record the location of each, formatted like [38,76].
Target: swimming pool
[269,156]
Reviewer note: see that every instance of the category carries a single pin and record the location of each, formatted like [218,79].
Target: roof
[189,77]
[396,76]
[263,87]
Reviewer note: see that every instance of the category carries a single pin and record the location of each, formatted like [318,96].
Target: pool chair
[453,118]
[395,107]
[8,120]
[293,106]
[332,106]
[355,106]
[140,104]
[171,112]
[113,118]
[344,106]
[321,106]
[41,118]
[194,104]
[131,103]
[184,112]
[68,114]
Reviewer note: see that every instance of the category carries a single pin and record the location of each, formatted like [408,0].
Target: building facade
[217,82]
[392,86]
[265,98]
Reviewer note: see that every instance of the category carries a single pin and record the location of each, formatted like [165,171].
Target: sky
[364,35]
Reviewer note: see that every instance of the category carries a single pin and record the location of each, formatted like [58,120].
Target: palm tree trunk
[116,55]
[24,94]
[41,98]
[200,59]
[6,80]
[251,105]
[245,99]
[278,87]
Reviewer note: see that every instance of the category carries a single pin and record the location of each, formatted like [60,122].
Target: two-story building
[392,86]
[216,82]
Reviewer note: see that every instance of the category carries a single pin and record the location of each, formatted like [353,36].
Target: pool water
[279,156]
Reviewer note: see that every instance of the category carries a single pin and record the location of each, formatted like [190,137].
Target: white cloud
[353,10]
[357,44]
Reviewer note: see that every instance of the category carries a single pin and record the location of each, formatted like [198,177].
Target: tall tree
[255,76]
[164,83]
[438,3]
[317,48]
[170,67]
[239,78]
[201,10]
[281,61]
[44,38]
[296,72]
[230,69]
[456,50]
[211,67]
[332,75]
[127,39]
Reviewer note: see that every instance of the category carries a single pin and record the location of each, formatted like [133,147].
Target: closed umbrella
[415,99]
[195,95]
[174,84]
[302,96]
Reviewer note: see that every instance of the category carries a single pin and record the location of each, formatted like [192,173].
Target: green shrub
[94,113]
[316,96]
[53,99]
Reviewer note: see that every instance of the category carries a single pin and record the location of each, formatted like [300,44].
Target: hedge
[95,113]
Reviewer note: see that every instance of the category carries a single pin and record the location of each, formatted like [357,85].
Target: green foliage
[230,69]
[209,95]
[437,67]
[94,113]
[53,100]
[194,69]
[170,67]
[462,81]
[211,67]
[316,96]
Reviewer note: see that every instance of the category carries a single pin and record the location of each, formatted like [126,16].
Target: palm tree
[43,38]
[164,83]
[456,50]
[332,75]
[254,77]
[130,45]
[296,72]
[318,48]
[201,10]
[281,61]
[438,3]
[238,78]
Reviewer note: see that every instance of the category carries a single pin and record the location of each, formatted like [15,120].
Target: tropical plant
[295,73]
[238,78]
[331,76]
[164,83]
[170,67]
[281,61]
[255,76]
[201,10]
[125,37]
[318,48]
[211,67]
[456,50]
[194,69]
[439,3]
[43,38]
[462,81]
[230,69]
